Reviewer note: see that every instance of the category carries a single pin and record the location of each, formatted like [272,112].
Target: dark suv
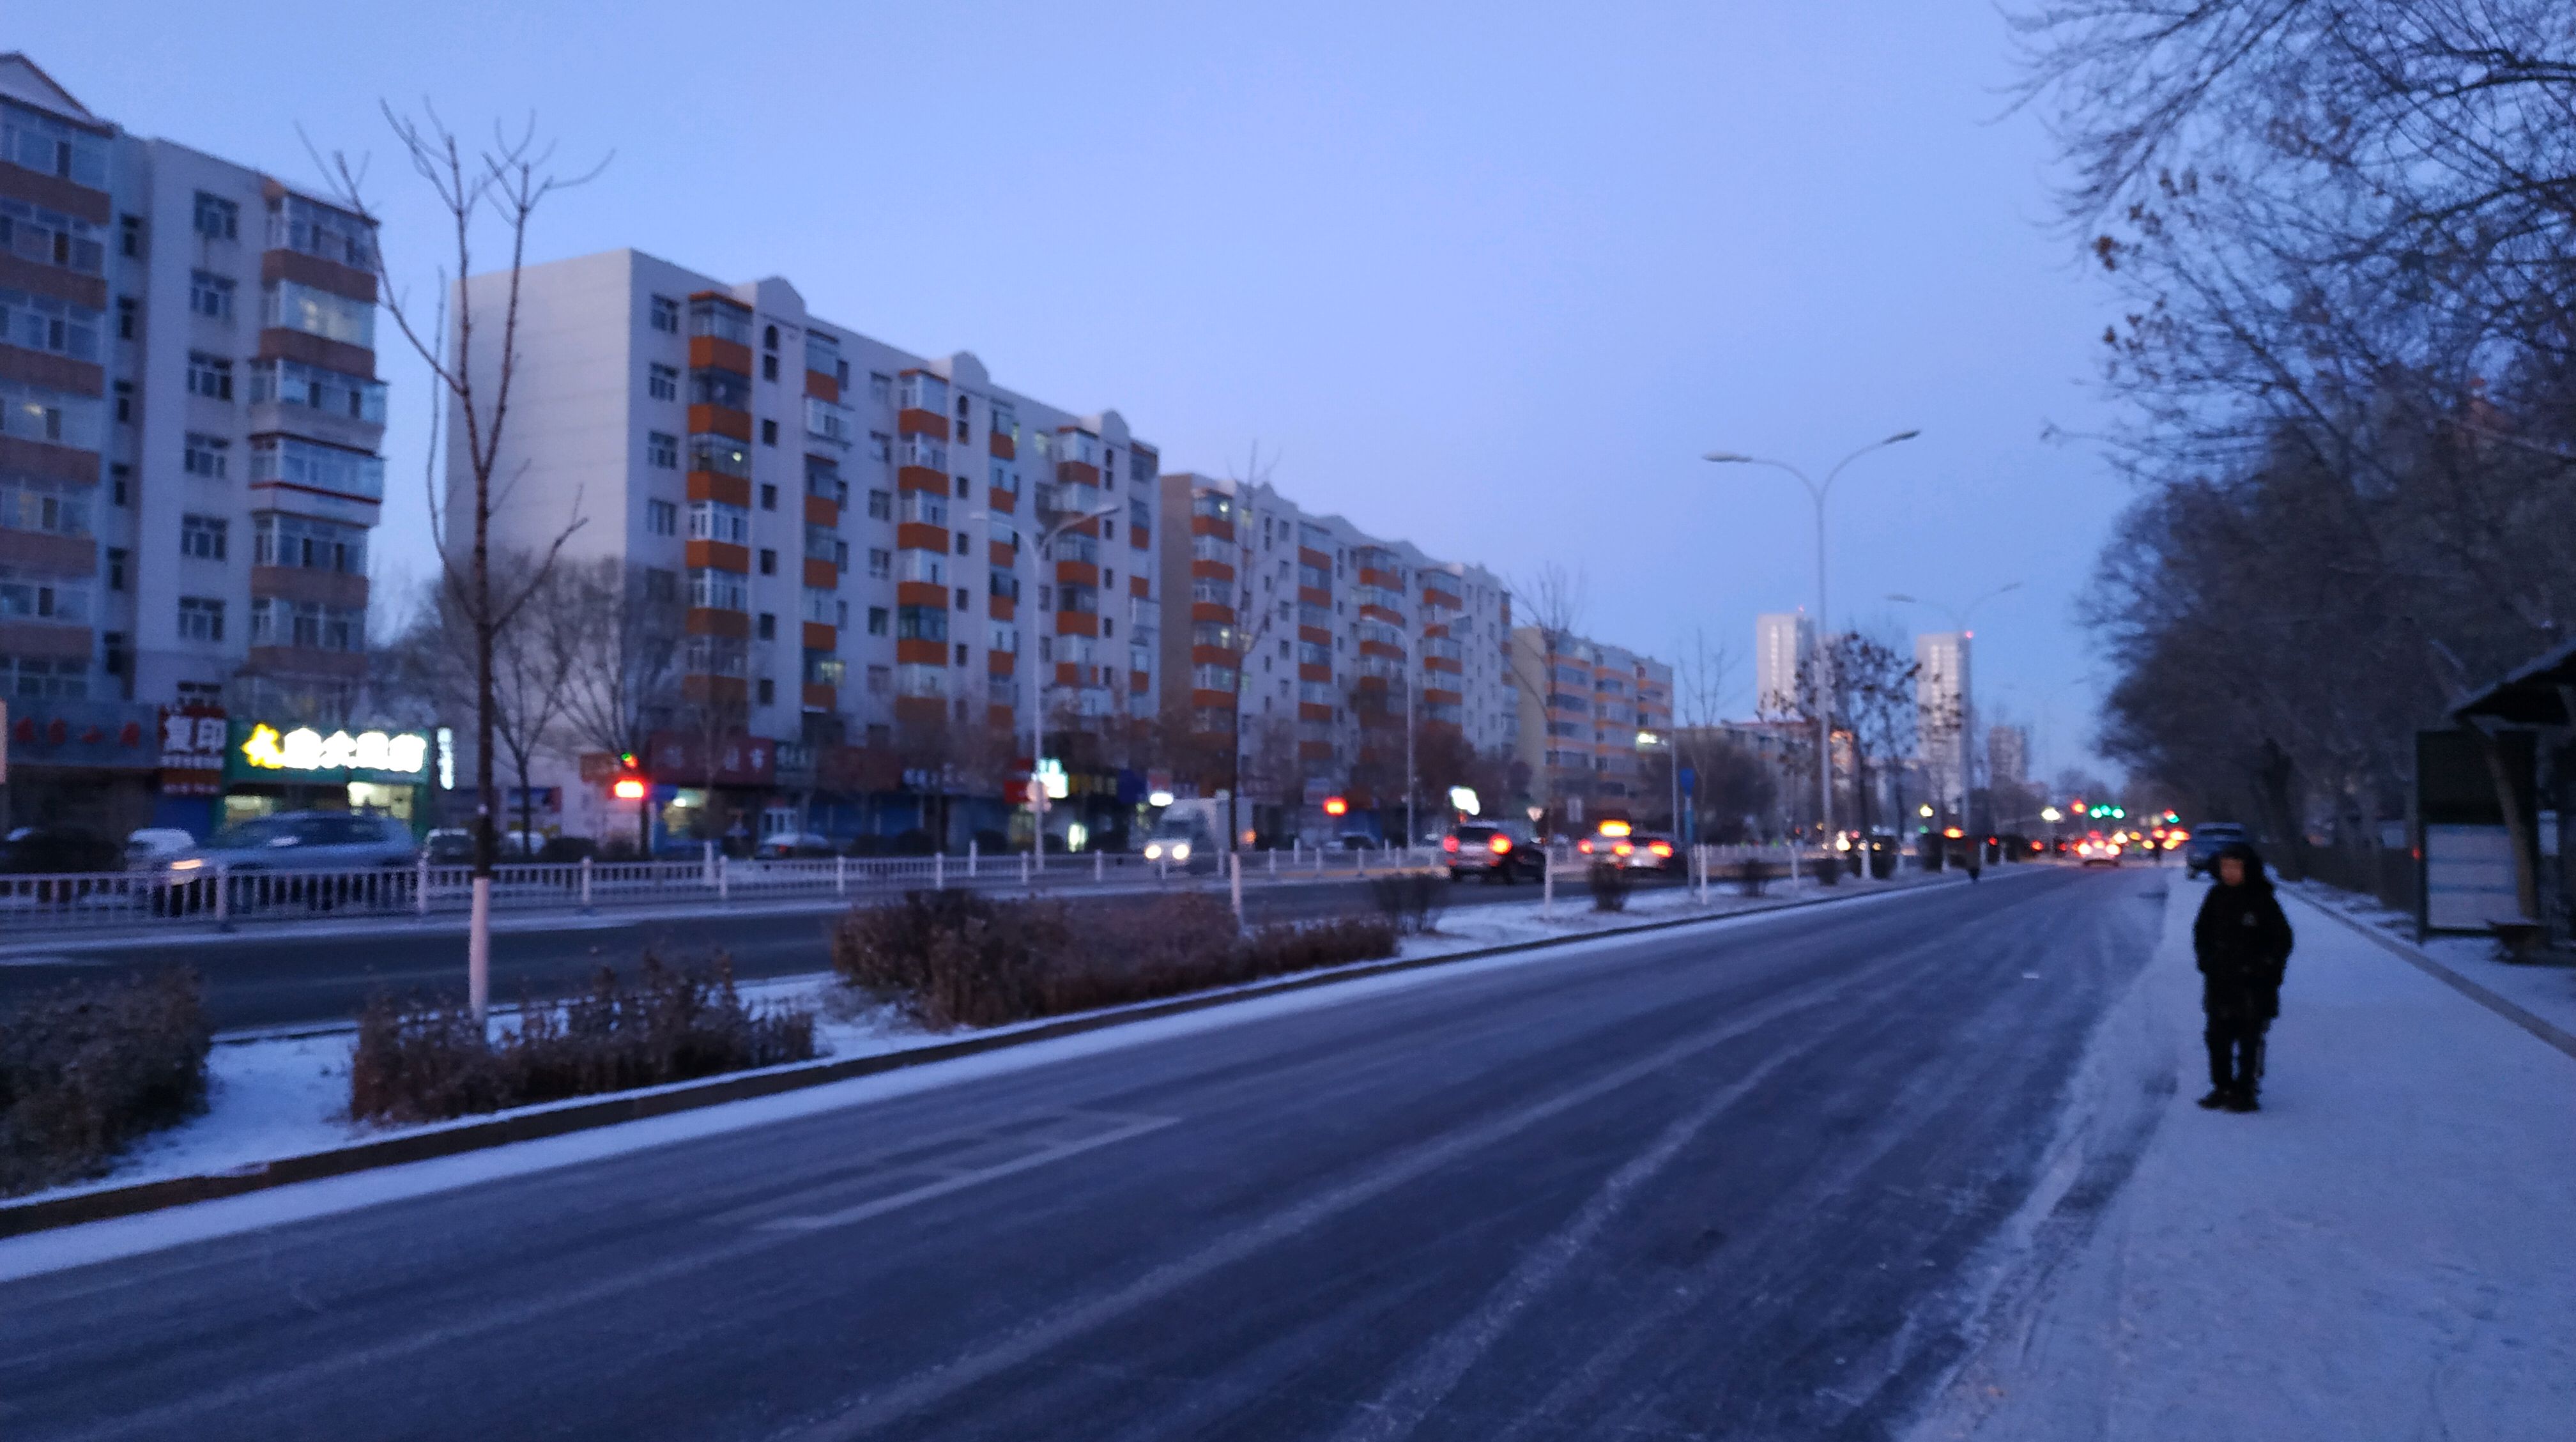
[1504,851]
[2200,853]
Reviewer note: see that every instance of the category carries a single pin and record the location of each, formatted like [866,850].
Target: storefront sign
[680,759]
[192,750]
[260,751]
[113,735]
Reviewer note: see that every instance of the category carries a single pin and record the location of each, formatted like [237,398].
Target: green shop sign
[261,751]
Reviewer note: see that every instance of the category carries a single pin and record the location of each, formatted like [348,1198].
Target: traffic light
[630,783]
[1336,806]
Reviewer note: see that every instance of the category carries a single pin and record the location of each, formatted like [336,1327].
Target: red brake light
[1499,844]
[1624,849]
[1449,843]
[1584,846]
[1660,848]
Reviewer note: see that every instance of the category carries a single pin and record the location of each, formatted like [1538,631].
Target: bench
[2518,937]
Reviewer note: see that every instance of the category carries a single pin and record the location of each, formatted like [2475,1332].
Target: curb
[583,1115]
[2423,961]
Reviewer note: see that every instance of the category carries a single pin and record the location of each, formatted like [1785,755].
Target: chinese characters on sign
[192,750]
[305,749]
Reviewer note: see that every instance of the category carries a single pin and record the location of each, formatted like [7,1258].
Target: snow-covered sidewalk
[2546,990]
[2382,1252]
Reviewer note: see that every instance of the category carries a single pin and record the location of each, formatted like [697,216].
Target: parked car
[149,847]
[1654,851]
[1186,834]
[786,844]
[2200,851]
[302,841]
[1504,851]
[1356,841]
[37,849]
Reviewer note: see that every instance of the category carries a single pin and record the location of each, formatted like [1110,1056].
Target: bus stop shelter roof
[2538,694]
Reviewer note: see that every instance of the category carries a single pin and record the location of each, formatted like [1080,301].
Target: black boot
[2249,1075]
[2222,1082]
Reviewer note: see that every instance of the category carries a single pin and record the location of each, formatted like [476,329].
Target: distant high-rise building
[1941,685]
[1782,641]
[2008,755]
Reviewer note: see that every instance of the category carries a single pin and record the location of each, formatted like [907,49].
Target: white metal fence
[31,905]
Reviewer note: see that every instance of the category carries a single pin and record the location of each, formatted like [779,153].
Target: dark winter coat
[2242,942]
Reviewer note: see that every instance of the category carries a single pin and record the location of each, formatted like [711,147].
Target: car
[1504,851]
[2095,850]
[1654,851]
[61,849]
[1356,840]
[784,845]
[1186,836]
[2202,843]
[149,847]
[301,841]
[1622,844]
[449,846]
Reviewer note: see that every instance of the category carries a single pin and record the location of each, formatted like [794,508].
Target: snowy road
[1737,1180]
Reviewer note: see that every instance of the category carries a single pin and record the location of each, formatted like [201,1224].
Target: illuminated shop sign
[261,751]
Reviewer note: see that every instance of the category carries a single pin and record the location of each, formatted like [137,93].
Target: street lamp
[1959,617]
[1037,735]
[1818,493]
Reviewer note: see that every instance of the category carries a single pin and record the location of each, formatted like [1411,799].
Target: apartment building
[1782,642]
[1941,690]
[1591,716]
[1316,631]
[189,474]
[847,527]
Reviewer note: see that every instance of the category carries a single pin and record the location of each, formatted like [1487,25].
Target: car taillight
[1584,846]
[1449,844]
[1660,848]
[1624,849]
[1499,845]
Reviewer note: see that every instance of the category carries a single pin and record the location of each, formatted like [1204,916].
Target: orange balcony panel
[1429,632]
[1211,570]
[1207,700]
[921,653]
[1000,663]
[823,387]
[822,575]
[1139,682]
[720,420]
[1210,611]
[920,593]
[714,690]
[1307,672]
[822,511]
[1431,697]
[1003,447]
[917,536]
[1309,596]
[1387,579]
[921,478]
[819,637]
[1215,656]
[1307,557]
[1433,723]
[1139,537]
[1381,648]
[1067,674]
[1442,599]
[1313,711]
[1002,608]
[703,621]
[708,352]
[1316,634]
[1076,623]
[719,556]
[920,709]
[1380,613]
[999,554]
[921,423]
[1443,663]
[716,486]
[1138,587]
[819,697]
[1077,473]
[1004,503]
[1217,526]
[1000,718]
[1370,683]
[1076,573]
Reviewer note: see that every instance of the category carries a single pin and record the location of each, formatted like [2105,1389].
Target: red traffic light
[1336,806]
[629,788]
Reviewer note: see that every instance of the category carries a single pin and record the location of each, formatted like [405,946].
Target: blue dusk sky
[1487,277]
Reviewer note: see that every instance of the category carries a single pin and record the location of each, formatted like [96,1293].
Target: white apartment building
[1317,630]
[1782,642]
[189,422]
[1941,690]
[1591,714]
[848,524]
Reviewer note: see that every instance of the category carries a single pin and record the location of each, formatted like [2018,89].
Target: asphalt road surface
[1725,1181]
[277,977]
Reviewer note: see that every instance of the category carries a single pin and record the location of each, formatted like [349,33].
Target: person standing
[2241,942]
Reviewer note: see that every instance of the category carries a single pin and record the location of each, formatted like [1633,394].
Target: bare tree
[504,181]
[623,679]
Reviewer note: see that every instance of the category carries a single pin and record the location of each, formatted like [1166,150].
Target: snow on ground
[2381,1252]
[273,1096]
[2547,991]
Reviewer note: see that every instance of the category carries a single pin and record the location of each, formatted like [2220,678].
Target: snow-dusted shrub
[1411,900]
[1610,886]
[423,1062]
[954,958]
[92,1066]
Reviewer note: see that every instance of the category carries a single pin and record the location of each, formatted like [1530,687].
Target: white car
[148,848]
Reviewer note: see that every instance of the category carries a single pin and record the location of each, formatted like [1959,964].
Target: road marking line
[958,1182]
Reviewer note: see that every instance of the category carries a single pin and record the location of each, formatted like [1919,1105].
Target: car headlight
[1153,851]
[1180,851]
[188,863]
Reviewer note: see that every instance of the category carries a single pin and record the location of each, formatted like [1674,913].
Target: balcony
[831,422]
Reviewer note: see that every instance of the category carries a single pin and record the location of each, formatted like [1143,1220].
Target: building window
[308,544]
[964,595]
[210,295]
[880,563]
[202,537]
[963,541]
[876,620]
[116,569]
[129,317]
[292,305]
[661,585]
[768,626]
[331,392]
[717,521]
[769,498]
[961,653]
[768,562]
[662,451]
[769,367]
[662,382]
[880,388]
[205,456]
[129,231]
[217,218]
[768,688]
[880,680]
[125,403]
[880,505]
[200,619]
[666,315]
[662,518]
[769,429]
[209,376]
[120,477]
